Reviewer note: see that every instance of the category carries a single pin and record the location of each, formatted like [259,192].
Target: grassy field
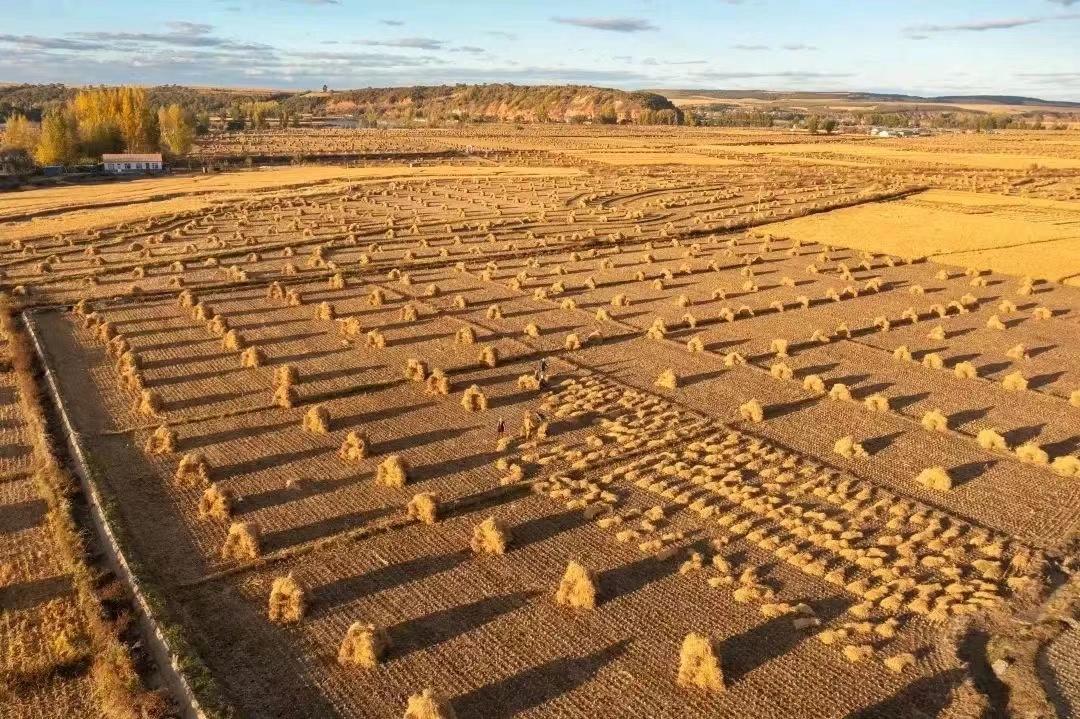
[730,391]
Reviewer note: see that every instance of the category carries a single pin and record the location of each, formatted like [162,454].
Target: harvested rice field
[538,429]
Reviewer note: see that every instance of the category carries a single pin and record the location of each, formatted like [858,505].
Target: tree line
[256,109]
[729,115]
[97,121]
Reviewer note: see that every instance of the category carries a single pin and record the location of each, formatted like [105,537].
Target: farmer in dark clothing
[500,428]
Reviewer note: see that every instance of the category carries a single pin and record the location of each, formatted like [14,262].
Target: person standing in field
[500,428]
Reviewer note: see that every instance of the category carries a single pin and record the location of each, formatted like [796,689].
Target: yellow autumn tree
[20,134]
[115,119]
[177,129]
[138,124]
[59,144]
[98,114]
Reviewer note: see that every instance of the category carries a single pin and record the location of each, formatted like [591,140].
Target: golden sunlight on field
[1040,238]
[646,157]
[914,154]
[581,422]
[95,206]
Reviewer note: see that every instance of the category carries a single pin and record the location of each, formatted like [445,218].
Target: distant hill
[962,99]
[494,102]
[1004,101]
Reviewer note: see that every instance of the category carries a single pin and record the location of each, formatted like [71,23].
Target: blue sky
[1029,47]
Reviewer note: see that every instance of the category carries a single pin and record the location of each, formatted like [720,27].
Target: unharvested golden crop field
[1040,238]
[541,434]
[915,153]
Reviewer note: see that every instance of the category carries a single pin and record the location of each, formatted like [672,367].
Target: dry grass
[285,396]
[286,375]
[428,705]
[149,403]
[936,478]
[898,663]
[82,646]
[877,402]
[667,380]
[989,439]
[489,356]
[752,411]
[354,447]
[393,471]
[162,441]
[242,542]
[781,371]
[424,506]
[699,666]
[577,588]
[288,601]
[193,471]
[465,336]
[474,400]
[216,502]
[857,653]
[1015,382]
[1031,453]
[364,646]
[252,357]
[528,382]
[934,421]
[848,448]
[965,370]
[840,392]
[437,383]
[490,537]
[1066,466]
[233,341]
[317,420]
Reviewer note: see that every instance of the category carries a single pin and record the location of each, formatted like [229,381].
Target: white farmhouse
[126,163]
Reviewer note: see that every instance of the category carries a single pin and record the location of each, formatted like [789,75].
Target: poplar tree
[20,134]
[59,143]
[177,129]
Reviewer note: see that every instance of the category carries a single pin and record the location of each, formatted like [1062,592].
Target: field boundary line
[1007,246]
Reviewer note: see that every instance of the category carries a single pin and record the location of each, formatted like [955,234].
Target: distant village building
[897,132]
[121,164]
